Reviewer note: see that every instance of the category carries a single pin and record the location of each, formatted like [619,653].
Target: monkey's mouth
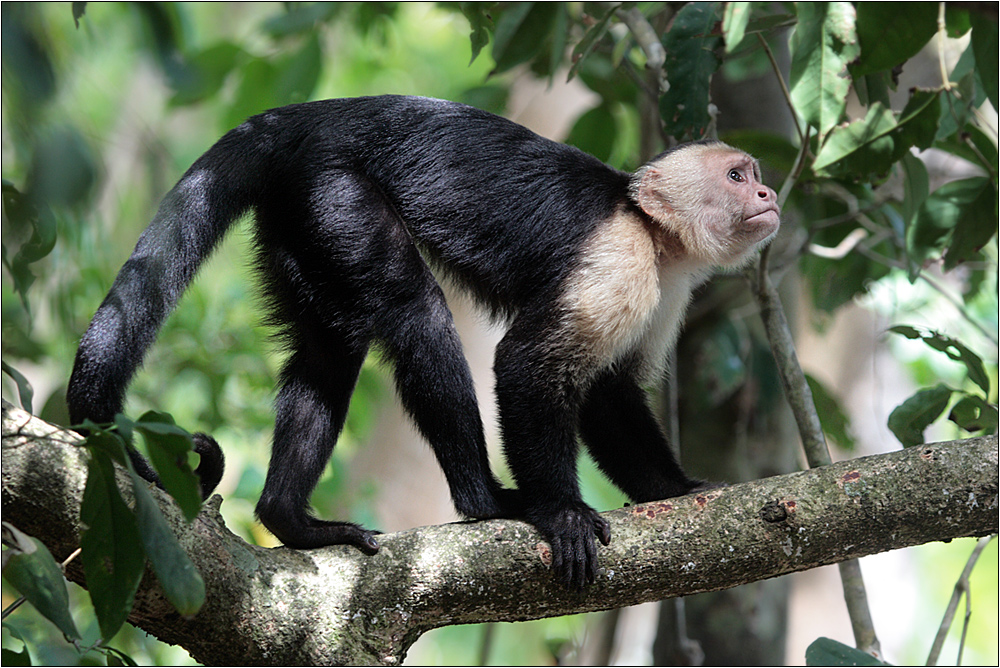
[766,218]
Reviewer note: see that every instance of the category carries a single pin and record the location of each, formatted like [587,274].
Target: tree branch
[335,605]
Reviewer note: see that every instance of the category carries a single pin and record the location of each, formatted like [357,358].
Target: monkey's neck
[668,245]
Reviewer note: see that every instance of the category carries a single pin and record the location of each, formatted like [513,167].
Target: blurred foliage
[105,104]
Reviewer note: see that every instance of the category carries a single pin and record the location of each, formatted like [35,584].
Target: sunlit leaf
[823,44]
[734,23]
[863,145]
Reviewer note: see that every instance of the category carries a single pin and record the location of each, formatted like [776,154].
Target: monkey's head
[708,196]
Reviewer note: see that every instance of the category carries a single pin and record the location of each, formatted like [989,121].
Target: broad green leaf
[863,147]
[889,36]
[823,44]
[181,582]
[972,413]
[909,420]
[734,23]
[984,45]
[953,348]
[832,417]
[112,555]
[826,652]
[959,217]
[594,132]
[30,567]
[691,61]
[168,446]
[873,145]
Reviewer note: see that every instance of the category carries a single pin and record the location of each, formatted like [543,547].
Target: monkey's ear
[650,195]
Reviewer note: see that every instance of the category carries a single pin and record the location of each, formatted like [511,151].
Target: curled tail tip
[212,465]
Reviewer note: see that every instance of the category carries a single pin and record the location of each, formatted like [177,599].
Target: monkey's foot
[570,532]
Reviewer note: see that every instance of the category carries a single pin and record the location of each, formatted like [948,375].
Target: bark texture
[335,605]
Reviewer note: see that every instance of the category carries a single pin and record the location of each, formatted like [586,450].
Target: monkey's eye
[735,175]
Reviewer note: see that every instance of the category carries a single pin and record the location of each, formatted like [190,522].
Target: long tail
[192,219]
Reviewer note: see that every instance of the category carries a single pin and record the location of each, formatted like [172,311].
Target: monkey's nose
[766,194]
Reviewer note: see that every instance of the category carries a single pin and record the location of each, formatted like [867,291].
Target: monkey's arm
[627,442]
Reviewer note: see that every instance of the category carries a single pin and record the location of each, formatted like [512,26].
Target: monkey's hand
[570,532]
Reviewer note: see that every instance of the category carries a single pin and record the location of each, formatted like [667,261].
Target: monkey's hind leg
[436,388]
[316,386]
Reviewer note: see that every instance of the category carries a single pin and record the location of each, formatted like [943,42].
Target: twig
[784,86]
[962,586]
[645,35]
[813,442]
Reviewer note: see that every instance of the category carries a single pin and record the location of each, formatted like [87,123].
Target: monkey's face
[710,197]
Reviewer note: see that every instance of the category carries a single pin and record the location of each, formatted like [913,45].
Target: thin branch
[961,587]
[784,88]
[800,399]
[645,35]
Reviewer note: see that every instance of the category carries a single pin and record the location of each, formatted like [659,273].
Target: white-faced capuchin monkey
[591,268]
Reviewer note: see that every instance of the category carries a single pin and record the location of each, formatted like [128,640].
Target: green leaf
[916,185]
[734,23]
[823,43]
[209,69]
[954,349]
[973,413]
[832,417]
[168,446]
[826,652]
[861,148]
[300,17]
[112,553]
[984,45]
[959,217]
[889,37]
[181,582]
[31,569]
[522,31]
[590,39]
[691,61]
[25,392]
[480,21]
[909,420]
